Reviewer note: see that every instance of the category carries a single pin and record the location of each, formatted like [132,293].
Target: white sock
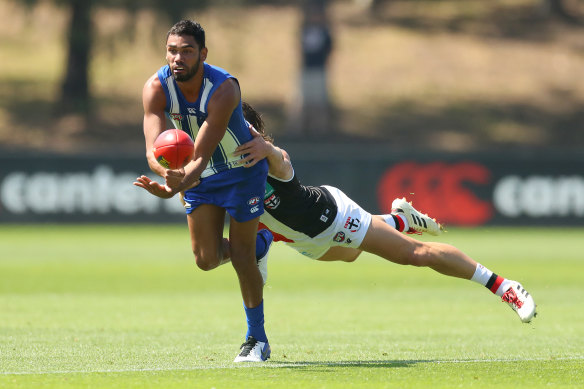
[390,220]
[495,283]
[481,275]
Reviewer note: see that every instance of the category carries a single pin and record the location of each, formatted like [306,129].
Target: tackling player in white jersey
[324,224]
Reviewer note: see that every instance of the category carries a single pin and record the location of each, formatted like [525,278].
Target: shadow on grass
[482,124]
[523,22]
[461,125]
[466,124]
[380,364]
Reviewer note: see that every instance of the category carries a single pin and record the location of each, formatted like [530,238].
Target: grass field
[124,306]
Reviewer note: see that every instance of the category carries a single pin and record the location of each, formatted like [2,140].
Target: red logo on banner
[438,189]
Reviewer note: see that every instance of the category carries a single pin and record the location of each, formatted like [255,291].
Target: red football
[173,149]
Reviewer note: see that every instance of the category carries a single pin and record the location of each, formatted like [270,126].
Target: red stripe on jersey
[277,237]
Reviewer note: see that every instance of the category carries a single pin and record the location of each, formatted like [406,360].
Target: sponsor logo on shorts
[323,218]
[353,224]
[272,202]
[349,241]
[253,201]
[339,237]
[254,209]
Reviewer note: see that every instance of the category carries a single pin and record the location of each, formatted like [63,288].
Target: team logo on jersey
[339,237]
[272,202]
[253,201]
[352,224]
[176,116]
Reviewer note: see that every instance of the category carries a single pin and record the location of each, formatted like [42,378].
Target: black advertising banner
[457,189]
[80,189]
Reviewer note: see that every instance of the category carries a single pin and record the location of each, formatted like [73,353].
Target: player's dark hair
[255,119]
[189,27]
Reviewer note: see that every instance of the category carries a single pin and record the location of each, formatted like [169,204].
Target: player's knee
[206,266]
[205,260]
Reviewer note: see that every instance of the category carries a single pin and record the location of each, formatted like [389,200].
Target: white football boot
[417,221]
[253,351]
[262,261]
[520,301]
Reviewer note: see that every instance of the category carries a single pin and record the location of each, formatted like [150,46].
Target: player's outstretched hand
[154,187]
[253,151]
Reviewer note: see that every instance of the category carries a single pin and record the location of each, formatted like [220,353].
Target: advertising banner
[456,189]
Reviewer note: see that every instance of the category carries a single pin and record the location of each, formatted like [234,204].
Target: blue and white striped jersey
[190,116]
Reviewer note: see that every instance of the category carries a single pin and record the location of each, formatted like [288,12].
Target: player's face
[184,56]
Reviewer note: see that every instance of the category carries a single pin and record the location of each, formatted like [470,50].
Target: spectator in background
[314,105]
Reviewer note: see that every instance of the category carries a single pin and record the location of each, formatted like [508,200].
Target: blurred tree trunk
[75,96]
[559,9]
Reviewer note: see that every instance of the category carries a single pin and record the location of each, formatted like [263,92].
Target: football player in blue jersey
[205,102]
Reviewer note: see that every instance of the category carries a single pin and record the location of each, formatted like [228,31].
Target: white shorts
[347,230]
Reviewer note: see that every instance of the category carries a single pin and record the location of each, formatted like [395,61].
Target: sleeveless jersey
[189,117]
[292,208]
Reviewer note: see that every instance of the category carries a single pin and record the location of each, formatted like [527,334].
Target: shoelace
[511,297]
[248,346]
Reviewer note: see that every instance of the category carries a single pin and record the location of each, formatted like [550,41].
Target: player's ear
[203,55]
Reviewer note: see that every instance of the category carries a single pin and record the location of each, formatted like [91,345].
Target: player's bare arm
[279,164]
[258,148]
[220,109]
[154,102]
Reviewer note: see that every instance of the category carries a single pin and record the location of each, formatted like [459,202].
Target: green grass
[125,306]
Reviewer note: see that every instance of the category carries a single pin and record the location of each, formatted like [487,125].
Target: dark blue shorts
[240,191]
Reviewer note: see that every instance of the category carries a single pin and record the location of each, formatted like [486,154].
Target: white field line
[294,365]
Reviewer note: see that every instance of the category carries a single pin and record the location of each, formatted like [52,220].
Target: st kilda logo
[443,190]
[352,224]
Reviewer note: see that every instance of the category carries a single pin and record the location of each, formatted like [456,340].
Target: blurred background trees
[389,77]
[75,91]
